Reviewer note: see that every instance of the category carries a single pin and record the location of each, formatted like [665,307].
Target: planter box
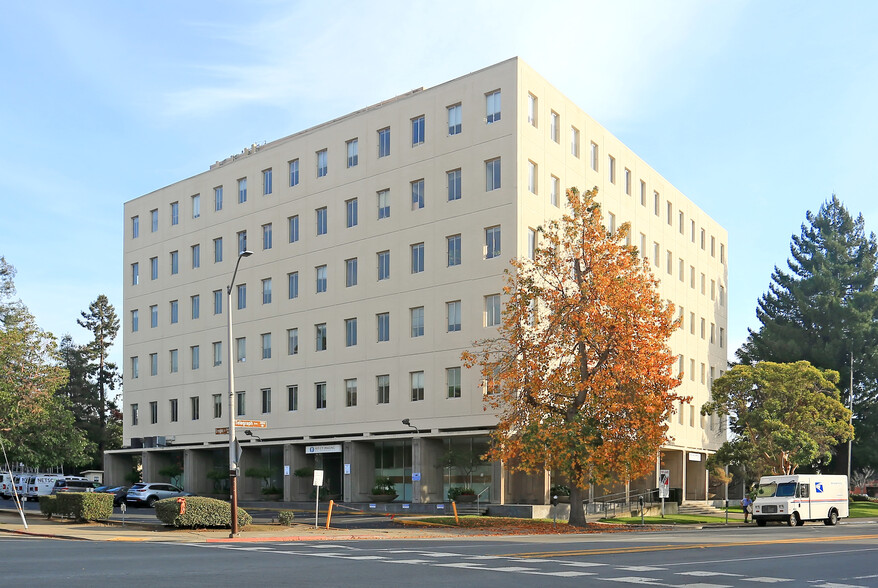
[466,498]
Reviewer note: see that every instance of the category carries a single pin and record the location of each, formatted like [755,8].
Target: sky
[757,111]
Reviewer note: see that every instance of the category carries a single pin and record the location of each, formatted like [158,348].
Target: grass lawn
[516,526]
[671,519]
[861,510]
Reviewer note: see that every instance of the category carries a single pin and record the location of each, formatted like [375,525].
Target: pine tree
[824,309]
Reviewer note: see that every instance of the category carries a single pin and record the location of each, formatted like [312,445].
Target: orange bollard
[329,513]
[454,506]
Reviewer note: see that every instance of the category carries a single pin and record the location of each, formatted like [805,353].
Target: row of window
[350,391]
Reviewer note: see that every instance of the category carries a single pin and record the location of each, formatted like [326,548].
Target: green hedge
[82,506]
[286,517]
[201,512]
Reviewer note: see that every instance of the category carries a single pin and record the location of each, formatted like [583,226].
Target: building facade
[379,242]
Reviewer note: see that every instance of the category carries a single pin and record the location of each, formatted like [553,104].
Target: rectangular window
[555,196]
[292,341]
[682,270]
[266,345]
[703,284]
[175,262]
[242,296]
[681,221]
[417,320]
[713,289]
[454,119]
[294,173]
[135,368]
[153,316]
[175,312]
[383,320]
[293,285]
[353,150]
[174,356]
[492,310]
[642,193]
[453,243]
[218,198]
[266,236]
[417,385]
[454,187]
[492,242]
[555,127]
[532,109]
[722,295]
[722,337]
[218,250]
[712,246]
[135,273]
[417,258]
[266,291]
[417,194]
[452,312]
[642,245]
[134,414]
[702,239]
[321,221]
[722,253]
[320,337]
[382,384]
[217,302]
[350,389]
[320,271]
[292,398]
[712,333]
[383,265]
[452,382]
[351,213]
[194,408]
[627,181]
[418,127]
[217,406]
[655,203]
[492,174]
[595,154]
[531,243]
[692,276]
[153,364]
[175,213]
[350,332]
[670,208]
[384,142]
[153,268]
[242,190]
[611,169]
[611,222]
[154,220]
[135,321]
[574,142]
[266,182]
[196,256]
[383,204]
[240,403]
[241,349]
[320,392]
[322,165]
[532,177]
[669,263]
[294,228]
[153,412]
[135,227]
[492,107]
[691,323]
[350,272]
[656,249]
[242,242]
[195,356]
[703,328]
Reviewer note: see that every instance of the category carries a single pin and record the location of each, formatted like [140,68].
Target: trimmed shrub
[455,492]
[201,512]
[854,498]
[48,505]
[84,506]
[286,517]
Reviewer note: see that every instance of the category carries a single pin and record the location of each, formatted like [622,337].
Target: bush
[454,493]
[383,487]
[82,506]
[48,505]
[201,512]
[854,498]
[285,517]
[559,490]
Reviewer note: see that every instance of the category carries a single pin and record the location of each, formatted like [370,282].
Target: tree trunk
[577,512]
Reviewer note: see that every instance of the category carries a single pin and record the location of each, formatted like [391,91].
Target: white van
[799,498]
[5,485]
[40,485]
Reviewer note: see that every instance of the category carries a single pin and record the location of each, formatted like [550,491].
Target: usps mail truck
[795,499]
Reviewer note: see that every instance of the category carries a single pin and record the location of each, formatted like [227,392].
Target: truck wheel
[760,522]
[794,520]
[832,520]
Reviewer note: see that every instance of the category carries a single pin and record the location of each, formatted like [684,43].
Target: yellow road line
[646,548]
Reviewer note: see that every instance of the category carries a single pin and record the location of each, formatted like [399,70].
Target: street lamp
[233,457]
[408,423]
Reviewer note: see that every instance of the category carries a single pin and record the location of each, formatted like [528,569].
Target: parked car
[119,493]
[150,493]
[70,484]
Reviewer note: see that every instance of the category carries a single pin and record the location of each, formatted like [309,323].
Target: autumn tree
[783,416]
[824,310]
[580,372]
[37,424]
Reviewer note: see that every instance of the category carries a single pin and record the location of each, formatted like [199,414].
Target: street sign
[222,430]
[318,478]
[664,483]
[250,424]
[312,449]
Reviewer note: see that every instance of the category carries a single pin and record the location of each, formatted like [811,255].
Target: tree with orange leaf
[581,372]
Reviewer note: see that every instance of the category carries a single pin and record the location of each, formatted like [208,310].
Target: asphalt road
[813,555]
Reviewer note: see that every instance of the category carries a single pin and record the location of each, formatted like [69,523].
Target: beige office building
[379,242]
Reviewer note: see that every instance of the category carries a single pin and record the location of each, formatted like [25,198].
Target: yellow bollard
[329,513]
[454,506]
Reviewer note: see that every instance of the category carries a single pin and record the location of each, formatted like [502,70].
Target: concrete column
[116,466]
[360,456]
[547,486]
[153,461]
[297,488]
[196,464]
[499,476]
[684,456]
[428,454]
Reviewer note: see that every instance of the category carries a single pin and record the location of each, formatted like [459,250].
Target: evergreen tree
[824,311]
[102,321]
[82,394]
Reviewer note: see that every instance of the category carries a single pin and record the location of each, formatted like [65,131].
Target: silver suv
[150,493]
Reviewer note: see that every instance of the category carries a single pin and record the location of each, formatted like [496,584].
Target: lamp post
[233,457]
[851,418]
[408,423]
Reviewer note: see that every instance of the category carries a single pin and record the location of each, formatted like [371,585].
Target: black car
[119,493]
